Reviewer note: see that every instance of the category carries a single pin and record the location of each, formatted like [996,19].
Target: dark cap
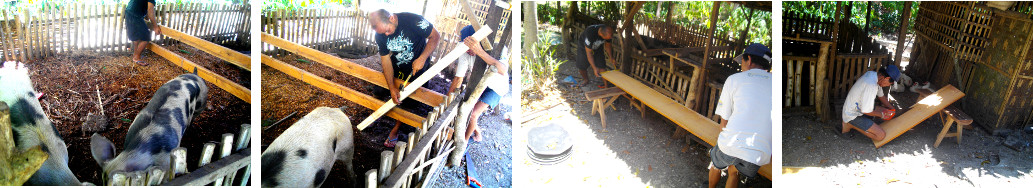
[894,72]
[466,32]
[756,49]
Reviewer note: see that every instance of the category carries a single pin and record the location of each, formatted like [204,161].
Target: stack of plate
[549,144]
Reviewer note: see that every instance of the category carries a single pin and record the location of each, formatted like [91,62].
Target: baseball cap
[893,71]
[756,49]
[466,32]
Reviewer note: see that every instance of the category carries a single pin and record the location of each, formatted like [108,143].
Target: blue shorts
[862,122]
[136,28]
[490,97]
[721,160]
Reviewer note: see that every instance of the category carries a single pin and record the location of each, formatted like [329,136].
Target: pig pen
[283,95]
[71,82]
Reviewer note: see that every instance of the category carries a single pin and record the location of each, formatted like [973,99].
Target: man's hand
[394,95]
[157,30]
[597,71]
[473,44]
[417,65]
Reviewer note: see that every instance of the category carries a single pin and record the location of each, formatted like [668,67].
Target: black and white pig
[303,155]
[157,129]
[32,128]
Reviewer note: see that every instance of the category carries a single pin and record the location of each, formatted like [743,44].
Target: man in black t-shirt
[137,29]
[406,41]
[594,38]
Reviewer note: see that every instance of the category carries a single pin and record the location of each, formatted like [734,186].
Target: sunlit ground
[592,164]
[917,169]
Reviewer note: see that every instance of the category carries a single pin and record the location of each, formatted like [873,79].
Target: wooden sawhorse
[954,117]
[604,98]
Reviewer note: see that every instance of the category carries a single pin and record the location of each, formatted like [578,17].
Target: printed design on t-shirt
[423,24]
[402,47]
[594,45]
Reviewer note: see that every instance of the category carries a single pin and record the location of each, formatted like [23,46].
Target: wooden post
[155,176]
[179,162]
[119,179]
[706,56]
[137,178]
[372,178]
[206,154]
[902,36]
[225,148]
[386,164]
[821,104]
[245,137]
[530,14]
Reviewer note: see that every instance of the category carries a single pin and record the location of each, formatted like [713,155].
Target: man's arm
[591,60]
[432,43]
[476,47]
[885,102]
[150,16]
[724,122]
[455,84]
[385,63]
[609,50]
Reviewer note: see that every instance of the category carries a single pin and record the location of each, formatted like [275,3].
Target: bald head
[606,32]
[382,21]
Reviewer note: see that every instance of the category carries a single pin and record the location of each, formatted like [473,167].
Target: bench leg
[595,106]
[959,127]
[602,117]
[943,132]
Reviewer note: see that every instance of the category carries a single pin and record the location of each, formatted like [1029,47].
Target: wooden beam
[821,99]
[423,95]
[347,93]
[234,57]
[922,110]
[209,173]
[902,36]
[475,21]
[697,124]
[406,167]
[448,59]
[233,88]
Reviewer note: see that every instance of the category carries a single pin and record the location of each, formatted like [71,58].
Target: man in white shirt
[497,86]
[859,108]
[744,143]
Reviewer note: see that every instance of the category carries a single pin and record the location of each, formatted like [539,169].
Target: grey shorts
[721,161]
[862,122]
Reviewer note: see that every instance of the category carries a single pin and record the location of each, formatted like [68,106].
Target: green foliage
[540,65]
[303,4]
[885,15]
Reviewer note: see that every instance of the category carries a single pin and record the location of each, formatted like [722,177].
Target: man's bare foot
[846,128]
[140,62]
[477,134]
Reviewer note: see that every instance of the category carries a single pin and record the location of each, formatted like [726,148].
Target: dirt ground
[283,95]
[71,81]
[493,155]
[633,151]
[909,160]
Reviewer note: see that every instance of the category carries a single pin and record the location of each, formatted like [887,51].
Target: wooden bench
[954,116]
[604,98]
[922,110]
[697,124]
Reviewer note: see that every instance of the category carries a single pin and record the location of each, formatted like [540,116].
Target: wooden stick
[234,57]
[347,93]
[423,95]
[225,84]
[475,21]
[430,73]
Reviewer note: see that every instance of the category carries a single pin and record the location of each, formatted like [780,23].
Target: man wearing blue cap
[859,108]
[744,143]
[497,85]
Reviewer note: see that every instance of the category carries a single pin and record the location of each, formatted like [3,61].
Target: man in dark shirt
[406,41]
[593,39]
[137,29]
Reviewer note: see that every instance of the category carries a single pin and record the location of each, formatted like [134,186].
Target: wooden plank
[345,92]
[210,172]
[423,95]
[690,120]
[925,108]
[234,57]
[225,84]
[411,160]
[475,21]
[448,59]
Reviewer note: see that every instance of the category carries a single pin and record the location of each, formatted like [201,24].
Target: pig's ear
[101,148]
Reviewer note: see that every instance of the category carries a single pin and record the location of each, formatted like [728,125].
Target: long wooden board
[423,95]
[699,125]
[237,90]
[347,93]
[234,57]
[448,59]
[924,109]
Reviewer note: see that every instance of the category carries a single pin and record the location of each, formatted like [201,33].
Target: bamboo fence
[28,33]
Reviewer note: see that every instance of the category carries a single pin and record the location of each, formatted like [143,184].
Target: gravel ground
[493,154]
[632,152]
[909,160]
